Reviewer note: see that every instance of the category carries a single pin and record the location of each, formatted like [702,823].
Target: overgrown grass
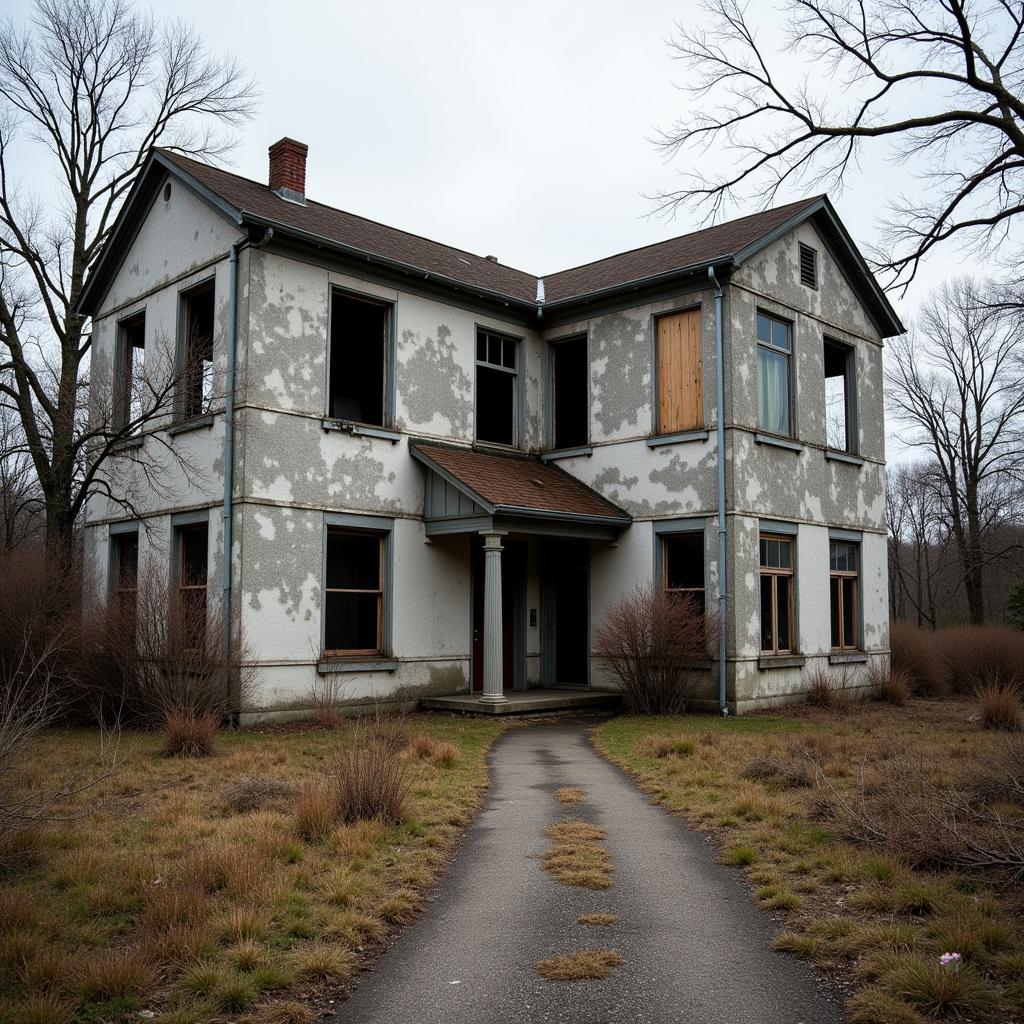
[847,906]
[212,888]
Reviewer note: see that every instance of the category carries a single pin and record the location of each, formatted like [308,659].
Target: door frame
[518,611]
[548,625]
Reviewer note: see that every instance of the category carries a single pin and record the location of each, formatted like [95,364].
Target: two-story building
[443,471]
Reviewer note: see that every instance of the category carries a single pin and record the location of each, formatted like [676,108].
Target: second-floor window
[357,388]
[680,385]
[839,426]
[497,388]
[197,310]
[131,356]
[570,393]
[774,355]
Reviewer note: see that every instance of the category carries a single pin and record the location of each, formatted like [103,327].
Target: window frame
[664,530]
[124,369]
[658,428]
[850,386]
[842,575]
[182,525]
[118,533]
[518,391]
[775,572]
[390,349]
[183,412]
[551,386]
[383,528]
[790,326]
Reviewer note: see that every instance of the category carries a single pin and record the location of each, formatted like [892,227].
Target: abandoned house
[441,472]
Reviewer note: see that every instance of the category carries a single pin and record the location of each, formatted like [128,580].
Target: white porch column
[493,664]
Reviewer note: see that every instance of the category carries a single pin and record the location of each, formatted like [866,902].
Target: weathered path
[695,948]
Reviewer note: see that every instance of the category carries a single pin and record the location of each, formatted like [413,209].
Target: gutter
[229,455]
[720,439]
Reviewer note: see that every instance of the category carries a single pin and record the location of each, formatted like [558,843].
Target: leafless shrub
[325,697]
[917,653]
[999,778]
[974,655]
[656,645]
[792,774]
[370,779]
[888,685]
[1000,706]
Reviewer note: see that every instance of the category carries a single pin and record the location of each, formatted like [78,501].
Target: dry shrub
[169,906]
[316,811]
[45,1008]
[937,990]
[825,689]
[766,768]
[371,780]
[888,685]
[258,793]
[112,975]
[584,965]
[423,747]
[446,755]
[973,655]
[656,645]
[438,752]
[326,698]
[1000,706]
[188,734]
[916,653]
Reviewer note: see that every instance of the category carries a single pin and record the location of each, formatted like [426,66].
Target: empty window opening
[131,361]
[570,393]
[843,582]
[776,594]
[774,350]
[682,566]
[808,266]
[125,574]
[497,369]
[354,593]
[838,392]
[193,572]
[358,360]
[198,313]
[680,386]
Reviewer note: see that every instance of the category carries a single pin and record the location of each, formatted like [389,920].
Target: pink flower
[949,958]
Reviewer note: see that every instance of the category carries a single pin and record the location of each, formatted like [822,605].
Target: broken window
[124,568]
[776,594]
[570,393]
[197,306]
[680,388]
[839,433]
[354,593]
[497,369]
[682,566]
[131,354]
[193,571]
[358,360]
[774,349]
[843,577]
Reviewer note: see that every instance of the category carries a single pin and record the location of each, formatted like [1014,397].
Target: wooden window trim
[682,419]
[347,652]
[665,538]
[775,572]
[124,596]
[788,353]
[845,574]
[517,384]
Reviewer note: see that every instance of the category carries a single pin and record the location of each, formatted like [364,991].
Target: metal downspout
[229,456]
[720,438]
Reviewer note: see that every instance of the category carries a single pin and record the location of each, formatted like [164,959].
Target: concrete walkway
[696,949]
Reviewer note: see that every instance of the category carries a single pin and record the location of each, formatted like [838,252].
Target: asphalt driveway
[695,948]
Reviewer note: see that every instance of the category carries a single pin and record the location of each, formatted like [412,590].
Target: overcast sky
[520,130]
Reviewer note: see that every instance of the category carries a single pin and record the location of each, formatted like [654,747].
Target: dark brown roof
[509,482]
[695,248]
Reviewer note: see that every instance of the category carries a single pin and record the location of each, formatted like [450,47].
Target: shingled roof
[508,484]
[255,203]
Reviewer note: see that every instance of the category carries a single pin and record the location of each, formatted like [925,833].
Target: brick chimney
[288,170]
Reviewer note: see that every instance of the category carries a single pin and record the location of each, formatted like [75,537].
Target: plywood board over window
[680,394]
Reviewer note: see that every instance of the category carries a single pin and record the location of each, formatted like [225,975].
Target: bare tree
[956,381]
[20,504]
[938,85]
[97,86]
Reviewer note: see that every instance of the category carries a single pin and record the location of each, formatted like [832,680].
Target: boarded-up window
[354,613]
[680,395]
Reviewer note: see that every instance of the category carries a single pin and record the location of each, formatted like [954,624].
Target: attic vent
[808,266]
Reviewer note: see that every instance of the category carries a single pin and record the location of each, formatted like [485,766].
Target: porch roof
[465,485]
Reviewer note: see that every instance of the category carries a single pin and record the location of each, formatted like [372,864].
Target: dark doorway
[566,612]
[513,587]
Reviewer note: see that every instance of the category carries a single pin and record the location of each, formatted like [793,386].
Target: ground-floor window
[124,569]
[192,577]
[843,577]
[776,594]
[354,592]
[682,566]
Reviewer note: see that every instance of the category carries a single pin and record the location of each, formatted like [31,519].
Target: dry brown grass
[190,734]
[596,920]
[577,858]
[889,685]
[1000,707]
[188,890]
[569,795]
[583,965]
[315,812]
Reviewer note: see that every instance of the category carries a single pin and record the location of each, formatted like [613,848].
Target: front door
[566,609]
[513,570]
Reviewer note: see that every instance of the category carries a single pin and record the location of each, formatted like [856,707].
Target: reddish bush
[656,645]
[1000,707]
[916,653]
[975,655]
[187,734]
[889,685]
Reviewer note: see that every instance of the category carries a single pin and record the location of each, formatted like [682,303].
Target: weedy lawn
[199,889]
[771,790]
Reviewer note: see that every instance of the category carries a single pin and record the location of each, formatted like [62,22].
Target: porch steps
[525,702]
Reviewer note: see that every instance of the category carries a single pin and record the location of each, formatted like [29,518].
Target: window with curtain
[774,352]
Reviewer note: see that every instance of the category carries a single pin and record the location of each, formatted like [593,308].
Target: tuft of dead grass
[597,920]
[577,858]
[190,733]
[660,746]
[569,795]
[112,975]
[889,685]
[1000,707]
[583,965]
[315,812]
[259,793]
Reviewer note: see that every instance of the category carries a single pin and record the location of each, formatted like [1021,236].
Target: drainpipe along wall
[720,437]
[229,455]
